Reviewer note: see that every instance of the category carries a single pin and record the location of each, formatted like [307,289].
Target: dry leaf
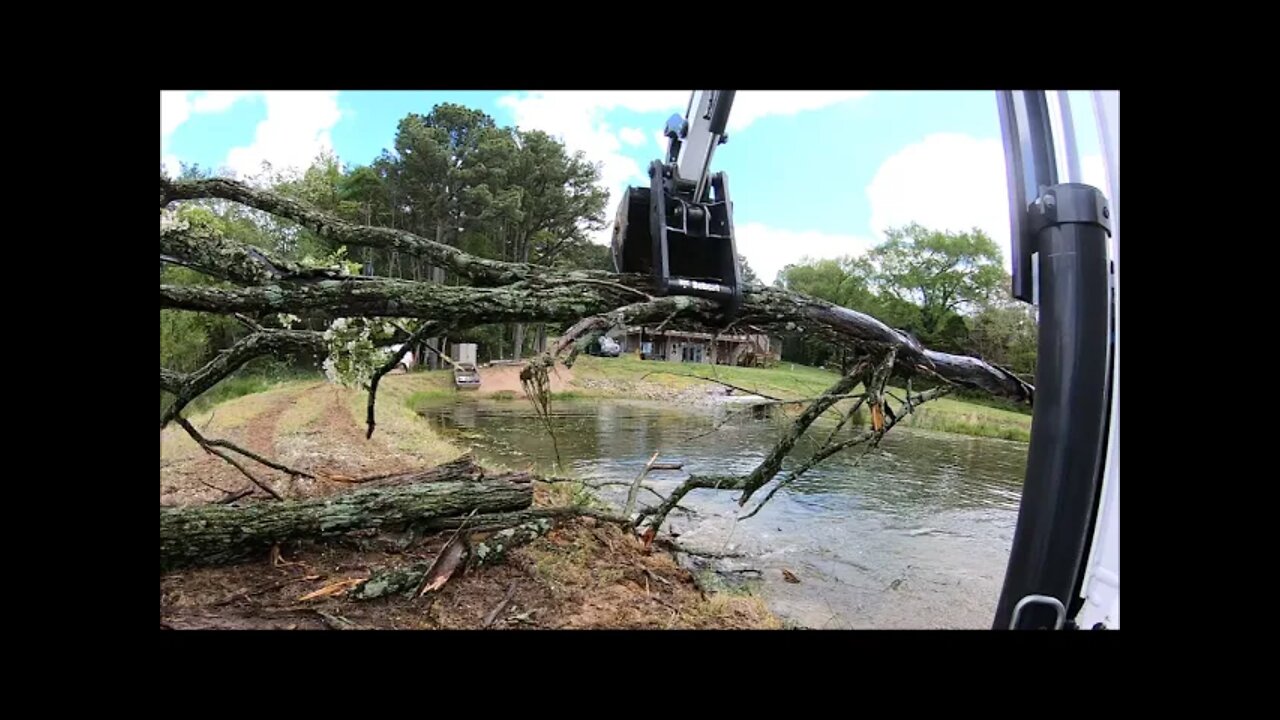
[333,589]
[789,576]
[648,536]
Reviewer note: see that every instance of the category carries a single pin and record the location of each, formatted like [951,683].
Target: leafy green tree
[1004,332]
[944,274]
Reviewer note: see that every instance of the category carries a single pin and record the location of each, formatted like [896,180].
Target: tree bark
[215,534]
[266,342]
[521,293]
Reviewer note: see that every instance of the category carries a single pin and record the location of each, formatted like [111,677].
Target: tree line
[948,289]
[455,176]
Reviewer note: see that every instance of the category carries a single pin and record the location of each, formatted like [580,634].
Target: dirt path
[311,428]
[581,575]
[180,480]
[506,379]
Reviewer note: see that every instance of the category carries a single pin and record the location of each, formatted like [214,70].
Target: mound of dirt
[506,379]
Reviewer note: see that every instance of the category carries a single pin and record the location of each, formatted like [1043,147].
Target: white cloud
[767,250]
[175,108]
[948,181]
[751,105]
[216,101]
[631,136]
[951,181]
[578,119]
[296,129]
[172,166]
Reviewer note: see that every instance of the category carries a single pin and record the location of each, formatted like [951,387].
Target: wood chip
[332,589]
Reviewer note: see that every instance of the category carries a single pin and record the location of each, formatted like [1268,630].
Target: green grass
[249,383]
[965,418]
[418,397]
[784,381]
[789,381]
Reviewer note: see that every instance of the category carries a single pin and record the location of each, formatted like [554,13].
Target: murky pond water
[916,535]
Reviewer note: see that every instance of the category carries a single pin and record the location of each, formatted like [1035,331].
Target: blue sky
[811,173]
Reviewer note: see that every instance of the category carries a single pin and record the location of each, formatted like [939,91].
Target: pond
[915,535]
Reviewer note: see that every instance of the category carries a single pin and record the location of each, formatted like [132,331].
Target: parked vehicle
[466,376]
[605,347]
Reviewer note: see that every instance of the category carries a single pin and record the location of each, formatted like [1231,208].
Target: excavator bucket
[686,245]
[632,248]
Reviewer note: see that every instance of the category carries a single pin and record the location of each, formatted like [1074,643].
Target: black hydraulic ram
[1066,227]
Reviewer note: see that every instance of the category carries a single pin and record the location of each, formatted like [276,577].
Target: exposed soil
[582,574]
[506,379]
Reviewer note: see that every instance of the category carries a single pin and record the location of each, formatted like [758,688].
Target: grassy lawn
[790,381]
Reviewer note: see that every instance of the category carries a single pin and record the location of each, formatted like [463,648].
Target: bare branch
[829,448]
[195,435]
[391,363]
[769,467]
[249,322]
[188,387]
[232,497]
[656,516]
[807,465]
[207,251]
[602,484]
[259,459]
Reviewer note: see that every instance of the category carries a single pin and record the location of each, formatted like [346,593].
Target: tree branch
[807,465]
[195,435]
[769,467]
[259,459]
[426,329]
[529,294]
[190,386]
[341,231]
[207,251]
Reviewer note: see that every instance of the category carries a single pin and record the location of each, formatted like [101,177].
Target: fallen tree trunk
[214,534]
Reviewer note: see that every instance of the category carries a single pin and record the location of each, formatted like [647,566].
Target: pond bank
[914,535]
[628,378]
[581,575]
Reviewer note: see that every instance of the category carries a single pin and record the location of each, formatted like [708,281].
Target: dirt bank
[581,575]
[505,379]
